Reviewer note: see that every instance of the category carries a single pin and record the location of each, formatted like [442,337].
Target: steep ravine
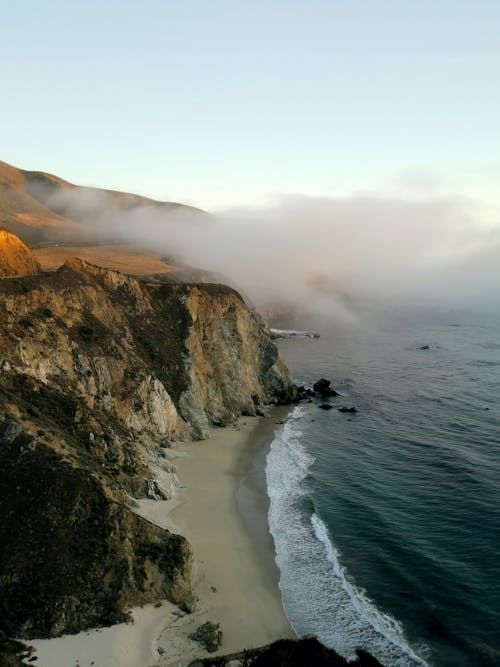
[98,372]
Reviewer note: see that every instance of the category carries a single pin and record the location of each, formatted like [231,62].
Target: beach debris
[344,409]
[424,347]
[323,387]
[213,589]
[208,635]
[325,406]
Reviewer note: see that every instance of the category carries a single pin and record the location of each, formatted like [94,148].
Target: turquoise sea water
[387,522]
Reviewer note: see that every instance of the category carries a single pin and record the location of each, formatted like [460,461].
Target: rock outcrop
[98,372]
[16,258]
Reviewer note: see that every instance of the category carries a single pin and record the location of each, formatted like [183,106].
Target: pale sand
[221,509]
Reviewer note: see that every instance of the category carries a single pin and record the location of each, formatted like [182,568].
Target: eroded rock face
[232,365]
[97,372]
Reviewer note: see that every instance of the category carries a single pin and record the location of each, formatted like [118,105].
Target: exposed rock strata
[97,371]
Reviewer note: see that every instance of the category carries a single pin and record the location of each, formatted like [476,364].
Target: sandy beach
[221,508]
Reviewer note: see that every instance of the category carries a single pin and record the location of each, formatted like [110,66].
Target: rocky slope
[98,372]
[15,257]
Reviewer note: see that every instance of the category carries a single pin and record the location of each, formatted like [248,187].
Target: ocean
[386,523]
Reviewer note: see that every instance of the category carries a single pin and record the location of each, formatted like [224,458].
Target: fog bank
[326,255]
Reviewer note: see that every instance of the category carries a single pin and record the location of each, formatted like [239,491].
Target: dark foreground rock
[352,410]
[307,652]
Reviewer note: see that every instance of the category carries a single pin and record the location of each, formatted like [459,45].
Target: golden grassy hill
[42,207]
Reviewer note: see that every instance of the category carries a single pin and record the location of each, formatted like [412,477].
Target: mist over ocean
[387,522]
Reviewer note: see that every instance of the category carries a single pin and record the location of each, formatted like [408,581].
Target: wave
[292,333]
[318,596]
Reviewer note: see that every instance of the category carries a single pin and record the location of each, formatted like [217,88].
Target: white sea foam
[318,596]
[293,333]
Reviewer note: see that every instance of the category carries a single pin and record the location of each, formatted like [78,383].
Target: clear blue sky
[217,102]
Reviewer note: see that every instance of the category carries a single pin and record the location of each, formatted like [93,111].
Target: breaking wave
[318,595]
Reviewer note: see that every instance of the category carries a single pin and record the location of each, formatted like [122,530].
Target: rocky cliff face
[97,373]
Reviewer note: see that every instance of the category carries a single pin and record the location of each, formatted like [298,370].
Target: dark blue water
[387,522]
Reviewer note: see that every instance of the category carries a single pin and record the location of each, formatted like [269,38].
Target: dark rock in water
[321,384]
[424,347]
[323,387]
[325,406]
[344,409]
[304,394]
[208,635]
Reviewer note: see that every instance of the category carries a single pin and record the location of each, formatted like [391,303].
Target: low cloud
[325,255]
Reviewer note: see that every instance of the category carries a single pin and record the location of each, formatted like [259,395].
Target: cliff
[98,372]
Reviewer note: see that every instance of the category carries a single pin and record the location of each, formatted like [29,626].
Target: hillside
[42,207]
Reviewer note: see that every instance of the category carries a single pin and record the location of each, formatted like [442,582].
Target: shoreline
[221,508]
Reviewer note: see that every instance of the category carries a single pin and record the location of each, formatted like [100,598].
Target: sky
[222,103]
